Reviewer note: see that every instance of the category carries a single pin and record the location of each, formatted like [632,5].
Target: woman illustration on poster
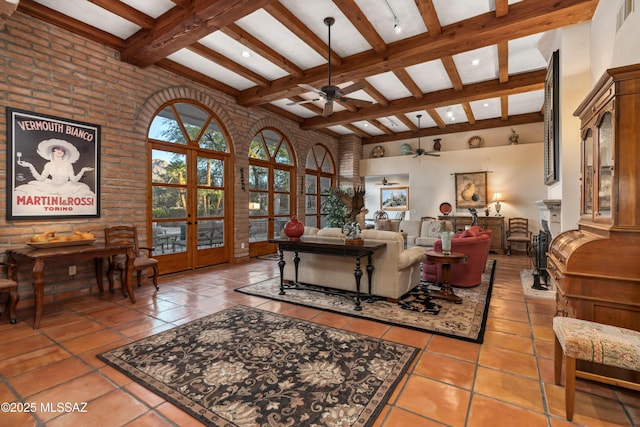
[58,176]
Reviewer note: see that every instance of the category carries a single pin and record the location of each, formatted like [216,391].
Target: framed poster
[471,190]
[53,167]
[394,199]
[552,120]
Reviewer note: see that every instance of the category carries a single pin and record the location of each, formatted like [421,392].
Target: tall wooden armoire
[596,268]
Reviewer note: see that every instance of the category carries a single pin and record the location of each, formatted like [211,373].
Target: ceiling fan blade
[306,101]
[355,101]
[351,88]
[432,154]
[328,108]
[310,88]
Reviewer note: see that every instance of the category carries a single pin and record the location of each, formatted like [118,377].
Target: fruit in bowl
[44,237]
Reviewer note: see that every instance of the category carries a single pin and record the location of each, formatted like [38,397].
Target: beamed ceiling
[462,64]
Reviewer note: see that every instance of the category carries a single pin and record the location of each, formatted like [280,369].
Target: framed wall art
[552,120]
[471,190]
[394,199]
[53,167]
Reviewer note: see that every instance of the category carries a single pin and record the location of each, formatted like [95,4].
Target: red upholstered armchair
[473,242]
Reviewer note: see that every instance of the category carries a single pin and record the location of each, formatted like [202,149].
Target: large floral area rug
[249,367]
[416,310]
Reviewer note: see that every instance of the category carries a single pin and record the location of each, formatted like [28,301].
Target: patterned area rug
[548,291]
[416,310]
[249,367]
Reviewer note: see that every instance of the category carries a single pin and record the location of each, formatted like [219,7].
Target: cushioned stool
[593,342]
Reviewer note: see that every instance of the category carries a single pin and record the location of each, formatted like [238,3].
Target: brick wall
[48,70]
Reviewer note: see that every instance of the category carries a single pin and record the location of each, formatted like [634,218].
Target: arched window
[271,188]
[320,176]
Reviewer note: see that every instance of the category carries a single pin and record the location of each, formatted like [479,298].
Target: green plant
[335,208]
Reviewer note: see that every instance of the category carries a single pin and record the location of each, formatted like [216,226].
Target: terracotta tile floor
[507,381]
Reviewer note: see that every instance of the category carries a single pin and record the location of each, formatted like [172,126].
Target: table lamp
[496,198]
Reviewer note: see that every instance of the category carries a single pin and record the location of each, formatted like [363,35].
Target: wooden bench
[608,345]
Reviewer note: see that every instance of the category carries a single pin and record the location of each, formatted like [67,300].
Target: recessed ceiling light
[486,104]
[475,62]
[449,113]
[246,54]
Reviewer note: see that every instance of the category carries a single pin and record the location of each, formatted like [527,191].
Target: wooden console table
[40,257]
[446,260]
[493,223]
[357,251]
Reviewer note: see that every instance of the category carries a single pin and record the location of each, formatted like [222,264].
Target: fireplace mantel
[550,210]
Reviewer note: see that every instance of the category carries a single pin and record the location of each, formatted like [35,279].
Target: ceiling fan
[385,181]
[330,92]
[420,151]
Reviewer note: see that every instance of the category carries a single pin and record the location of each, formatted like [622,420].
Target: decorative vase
[446,236]
[294,228]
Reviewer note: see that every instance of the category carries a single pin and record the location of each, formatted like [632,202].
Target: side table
[446,260]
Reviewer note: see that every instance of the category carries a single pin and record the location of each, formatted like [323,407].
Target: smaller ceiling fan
[386,182]
[420,151]
[330,92]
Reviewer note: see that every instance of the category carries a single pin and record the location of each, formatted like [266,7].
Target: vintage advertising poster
[53,168]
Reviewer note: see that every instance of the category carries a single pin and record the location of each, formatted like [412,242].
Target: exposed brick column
[349,155]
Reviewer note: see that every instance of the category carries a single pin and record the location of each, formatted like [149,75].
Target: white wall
[514,170]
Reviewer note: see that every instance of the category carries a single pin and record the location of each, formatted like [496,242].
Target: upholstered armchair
[430,231]
[475,244]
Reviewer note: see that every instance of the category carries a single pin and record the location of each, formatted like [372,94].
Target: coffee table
[446,260]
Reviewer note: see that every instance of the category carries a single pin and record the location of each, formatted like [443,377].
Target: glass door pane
[605,168]
[587,174]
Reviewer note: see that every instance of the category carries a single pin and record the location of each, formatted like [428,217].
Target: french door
[189,225]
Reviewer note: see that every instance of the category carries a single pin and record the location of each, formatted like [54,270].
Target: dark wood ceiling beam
[520,119]
[408,82]
[452,72]
[524,18]
[502,8]
[297,27]
[353,13]
[225,62]
[504,107]
[65,22]
[179,28]
[503,60]
[241,36]
[406,121]
[436,117]
[182,3]
[127,12]
[357,131]
[381,126]
[429,16]
[519,83]
[374,93]
[469,113]
[190,74]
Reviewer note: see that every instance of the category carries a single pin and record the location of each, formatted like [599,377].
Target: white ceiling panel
[389,86]
[527,102]
[485,69]
[93,15]
[430,76]
[524,55]
[486,108]
[451,11]
[210,69]
[232,49]
[345,39]
[262,25]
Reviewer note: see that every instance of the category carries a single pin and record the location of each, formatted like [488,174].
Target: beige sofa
[396,270]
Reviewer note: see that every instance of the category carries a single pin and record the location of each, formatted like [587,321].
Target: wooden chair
[10,287]
[518,232]
[129,235]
